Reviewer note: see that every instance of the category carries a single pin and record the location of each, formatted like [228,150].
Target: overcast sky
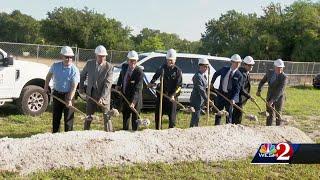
[186,18]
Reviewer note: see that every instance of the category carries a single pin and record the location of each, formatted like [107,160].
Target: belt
[58,92]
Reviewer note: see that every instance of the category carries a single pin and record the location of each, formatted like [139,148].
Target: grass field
[301,109]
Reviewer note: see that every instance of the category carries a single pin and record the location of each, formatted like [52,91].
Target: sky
[186,18]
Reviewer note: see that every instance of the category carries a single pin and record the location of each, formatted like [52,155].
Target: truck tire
[33,100]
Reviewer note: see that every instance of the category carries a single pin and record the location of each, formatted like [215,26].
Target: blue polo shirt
[64,76]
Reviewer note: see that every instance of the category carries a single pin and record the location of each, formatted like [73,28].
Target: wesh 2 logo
[274,153]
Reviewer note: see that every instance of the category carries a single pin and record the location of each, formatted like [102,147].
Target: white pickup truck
[22,82]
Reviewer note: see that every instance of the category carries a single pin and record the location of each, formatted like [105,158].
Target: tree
[85,28]
[18,27]
[232,33]
[151,43]
[168,41]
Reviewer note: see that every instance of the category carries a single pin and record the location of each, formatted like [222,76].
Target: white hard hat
[66,51]
[133,55]
[203,61]
[278,63]
[101,51]
[171,54]
[236,58]
[248,60]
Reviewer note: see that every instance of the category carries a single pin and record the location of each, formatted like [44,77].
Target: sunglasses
[68,57]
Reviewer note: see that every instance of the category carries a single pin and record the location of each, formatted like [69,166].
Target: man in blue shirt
[66,77]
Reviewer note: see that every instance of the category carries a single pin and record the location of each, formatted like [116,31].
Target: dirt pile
[97,148]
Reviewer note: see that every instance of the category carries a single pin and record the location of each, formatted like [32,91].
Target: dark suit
[244,95]
[133,92]
[172,82]
[232,94]
[275,93]
[198,97]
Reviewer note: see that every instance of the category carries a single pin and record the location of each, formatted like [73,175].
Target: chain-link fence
[299,72]
[114,56]
[293,68]
[47,54]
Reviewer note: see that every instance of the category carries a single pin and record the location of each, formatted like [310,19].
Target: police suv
[188,63]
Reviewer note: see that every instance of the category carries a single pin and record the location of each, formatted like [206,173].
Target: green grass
[301,103]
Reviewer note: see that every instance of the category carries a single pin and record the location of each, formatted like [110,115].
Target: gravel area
[97,148]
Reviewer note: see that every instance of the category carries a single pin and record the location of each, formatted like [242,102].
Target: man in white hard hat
[277,80]
[130,83]
[98,73]
[230,85]
[65,81]
[199,95]
[172,83]
[248,63]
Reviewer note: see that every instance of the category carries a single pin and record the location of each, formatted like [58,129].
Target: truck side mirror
[8,61]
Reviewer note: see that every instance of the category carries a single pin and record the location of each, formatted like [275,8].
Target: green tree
[231,33]
[18,27]
[151,43]
[85,28]
[169,40]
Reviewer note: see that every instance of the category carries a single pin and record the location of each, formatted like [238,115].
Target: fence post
[314,63]
[76,56]
[111,57]
[38,53]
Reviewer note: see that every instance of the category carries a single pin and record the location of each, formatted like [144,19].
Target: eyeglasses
[68,57]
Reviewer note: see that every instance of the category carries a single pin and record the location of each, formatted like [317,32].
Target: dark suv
[316,81]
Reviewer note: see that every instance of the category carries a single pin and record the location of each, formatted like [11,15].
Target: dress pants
[58,108]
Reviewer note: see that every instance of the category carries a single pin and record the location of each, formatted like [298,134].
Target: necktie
[205,77]
[230,81]
[225,82]
[126,80]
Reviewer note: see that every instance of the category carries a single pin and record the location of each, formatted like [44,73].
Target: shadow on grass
[9,109]
[19,135]
[303,87]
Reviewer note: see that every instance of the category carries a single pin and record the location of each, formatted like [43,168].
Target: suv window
[218,64]
[187,65]
[153,64]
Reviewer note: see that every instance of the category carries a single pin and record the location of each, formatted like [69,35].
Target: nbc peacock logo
[267,150]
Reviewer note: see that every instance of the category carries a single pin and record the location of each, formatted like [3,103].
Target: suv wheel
[33,100]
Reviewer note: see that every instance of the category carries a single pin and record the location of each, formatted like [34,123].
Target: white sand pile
[97,148]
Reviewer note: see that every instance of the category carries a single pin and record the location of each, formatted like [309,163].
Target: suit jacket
[276,88]
[133,89]
[245,87]
[172,80]
[236,80]
[198,94]
[101,80]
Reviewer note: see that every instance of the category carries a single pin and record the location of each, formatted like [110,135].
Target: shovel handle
[273,109]
[125,99]
[63,102]
[234,105]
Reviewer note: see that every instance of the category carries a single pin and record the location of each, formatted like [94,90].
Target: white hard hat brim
[102,54]
[67,54]
[133,59]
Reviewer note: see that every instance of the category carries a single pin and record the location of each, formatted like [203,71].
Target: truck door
[7,79]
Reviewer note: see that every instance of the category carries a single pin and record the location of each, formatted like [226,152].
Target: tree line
[291,32]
